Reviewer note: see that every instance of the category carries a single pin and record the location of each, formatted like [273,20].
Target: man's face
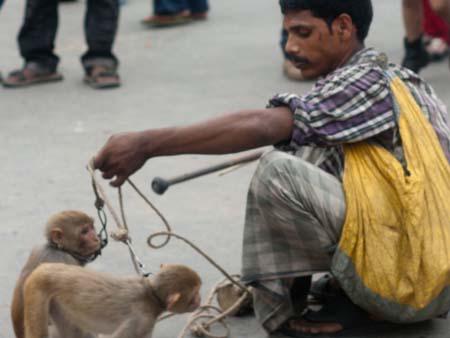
[313,48]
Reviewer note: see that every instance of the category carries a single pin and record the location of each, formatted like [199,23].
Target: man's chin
[309,74]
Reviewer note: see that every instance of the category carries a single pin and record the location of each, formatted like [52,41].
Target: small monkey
[99,303]
[71,239]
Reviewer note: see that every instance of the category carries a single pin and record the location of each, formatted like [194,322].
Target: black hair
[360,11]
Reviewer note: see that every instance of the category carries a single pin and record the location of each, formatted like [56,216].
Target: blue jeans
[169,7]
[1,3]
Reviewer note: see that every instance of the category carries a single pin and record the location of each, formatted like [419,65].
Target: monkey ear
[56,235]
[172,300]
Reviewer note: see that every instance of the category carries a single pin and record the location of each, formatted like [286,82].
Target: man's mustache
[298,59]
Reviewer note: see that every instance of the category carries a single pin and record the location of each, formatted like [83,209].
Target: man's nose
[291,46]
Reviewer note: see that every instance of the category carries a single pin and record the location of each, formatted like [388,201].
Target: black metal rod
[160,185]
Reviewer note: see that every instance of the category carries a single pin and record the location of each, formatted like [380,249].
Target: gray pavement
[172,76]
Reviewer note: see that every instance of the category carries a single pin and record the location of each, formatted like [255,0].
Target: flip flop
[341,310]
[162,21]
[99,77]
[29,75]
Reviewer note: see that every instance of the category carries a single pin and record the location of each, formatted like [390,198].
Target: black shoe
[416,56]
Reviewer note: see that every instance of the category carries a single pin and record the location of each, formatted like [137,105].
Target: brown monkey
[100,303]
[71,239]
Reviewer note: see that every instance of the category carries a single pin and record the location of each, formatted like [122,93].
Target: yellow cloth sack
[397,227]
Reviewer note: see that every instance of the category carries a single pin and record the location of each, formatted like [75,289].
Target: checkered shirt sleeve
[351,105]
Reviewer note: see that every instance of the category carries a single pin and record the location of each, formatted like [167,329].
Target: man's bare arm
[126,153]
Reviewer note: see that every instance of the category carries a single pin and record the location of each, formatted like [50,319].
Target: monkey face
[73,231]
[181,287]
[195,302]
[88,241]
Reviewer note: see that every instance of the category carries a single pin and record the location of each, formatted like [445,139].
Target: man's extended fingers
[108,175]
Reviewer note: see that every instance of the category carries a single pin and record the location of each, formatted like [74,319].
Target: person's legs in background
[416,56]
[169,7]
[99,62]
[437,33]
[199,9]
[441,8]
[176,12]
[168,13]
[36,42]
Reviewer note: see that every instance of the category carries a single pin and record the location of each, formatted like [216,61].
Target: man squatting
[296,205]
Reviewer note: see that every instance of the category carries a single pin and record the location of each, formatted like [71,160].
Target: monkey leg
[17,311]
[137,327]
[63,328]
[36,311]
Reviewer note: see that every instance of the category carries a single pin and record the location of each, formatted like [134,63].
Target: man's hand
[121,156]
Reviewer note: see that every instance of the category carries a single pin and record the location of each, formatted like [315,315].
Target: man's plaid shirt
[354,103]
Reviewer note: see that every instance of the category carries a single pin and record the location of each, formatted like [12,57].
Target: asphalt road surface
[172,76]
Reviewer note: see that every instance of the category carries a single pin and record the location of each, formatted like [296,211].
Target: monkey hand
[121,156]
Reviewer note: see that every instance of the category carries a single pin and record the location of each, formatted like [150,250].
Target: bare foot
[315,328]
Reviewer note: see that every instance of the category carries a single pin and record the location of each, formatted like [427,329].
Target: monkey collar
[151,292]
[83,260]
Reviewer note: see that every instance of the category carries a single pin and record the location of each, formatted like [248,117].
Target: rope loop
[158,234]
[202,330]
[170,234]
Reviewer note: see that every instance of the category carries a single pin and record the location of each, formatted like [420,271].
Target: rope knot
[120,235]
[99,203]
[198,330]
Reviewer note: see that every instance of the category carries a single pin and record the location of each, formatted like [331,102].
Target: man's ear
[343,26]
[172,300]
[56,236]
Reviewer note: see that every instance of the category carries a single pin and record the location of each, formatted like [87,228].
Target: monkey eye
[84,231]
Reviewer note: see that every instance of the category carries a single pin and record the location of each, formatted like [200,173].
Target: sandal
[100,77]
[340,310]
[30,74]
[161,21]
[200,16]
